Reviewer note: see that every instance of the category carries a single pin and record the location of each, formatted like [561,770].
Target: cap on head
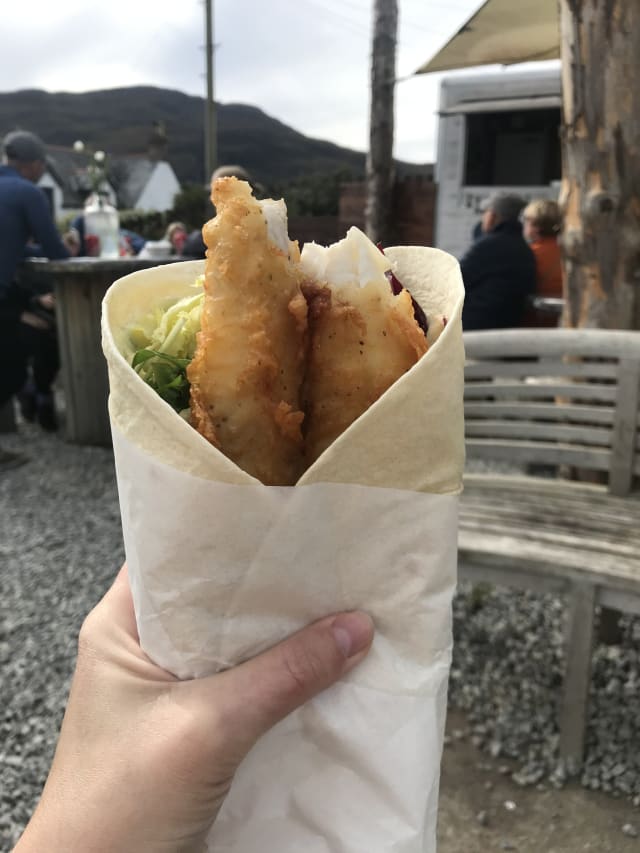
[506,206]
[24,147]
[231,172]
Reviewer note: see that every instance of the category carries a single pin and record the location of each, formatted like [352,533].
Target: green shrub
[312,194]
[192,206]
[150,224]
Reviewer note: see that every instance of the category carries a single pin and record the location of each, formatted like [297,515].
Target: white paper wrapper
[222,567]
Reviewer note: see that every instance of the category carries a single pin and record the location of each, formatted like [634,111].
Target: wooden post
[380,155]
[210,133]
[577,678]
[83,367]
[601,162]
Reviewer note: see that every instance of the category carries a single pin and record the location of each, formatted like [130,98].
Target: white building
[143,184]
[495,132]
[133,182]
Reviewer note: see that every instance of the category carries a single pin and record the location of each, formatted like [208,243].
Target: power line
[356,8]
[332,13]
[340,21]
[359,29]
[365,9]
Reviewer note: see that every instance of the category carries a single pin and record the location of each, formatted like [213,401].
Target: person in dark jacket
[499,269]
[24,217]
[193,246]
[76,227]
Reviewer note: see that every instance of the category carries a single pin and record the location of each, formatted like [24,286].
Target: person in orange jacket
[542,222]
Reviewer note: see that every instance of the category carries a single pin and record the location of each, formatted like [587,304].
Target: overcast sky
[305,62]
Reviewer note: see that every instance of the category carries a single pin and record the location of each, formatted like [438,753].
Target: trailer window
[513,148]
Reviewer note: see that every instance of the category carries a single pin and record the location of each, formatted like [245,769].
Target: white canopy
[504,32]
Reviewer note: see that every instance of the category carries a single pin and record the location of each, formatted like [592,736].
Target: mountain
[121,121]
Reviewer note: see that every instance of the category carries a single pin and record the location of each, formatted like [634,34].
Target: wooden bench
[566,399]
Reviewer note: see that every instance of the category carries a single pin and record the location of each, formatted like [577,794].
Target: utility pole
[210,133]
[380,174]
[600,46]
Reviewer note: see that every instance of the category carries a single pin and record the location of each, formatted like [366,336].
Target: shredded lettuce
[164,343]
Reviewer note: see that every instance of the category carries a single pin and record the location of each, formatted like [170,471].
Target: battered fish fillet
[247,372]
[361,340]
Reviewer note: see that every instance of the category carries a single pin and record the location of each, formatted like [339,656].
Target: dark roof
[69,168]
[128,175]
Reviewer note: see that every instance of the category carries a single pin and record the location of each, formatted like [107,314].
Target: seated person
[542,224]
[177,235]
[27,327]
[194,246]
[499,269]
[133,241]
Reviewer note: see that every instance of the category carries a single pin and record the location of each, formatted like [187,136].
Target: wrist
[80,823]
[96,822]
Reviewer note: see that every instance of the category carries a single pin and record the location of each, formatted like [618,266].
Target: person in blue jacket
[135,241]
[25,219]
[499,269]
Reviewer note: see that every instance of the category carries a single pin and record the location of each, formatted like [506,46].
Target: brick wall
[319,229]
[351,210]
[414,200]
[414,206]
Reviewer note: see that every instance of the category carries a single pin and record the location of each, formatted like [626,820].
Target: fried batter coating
[361,340]
[247,372]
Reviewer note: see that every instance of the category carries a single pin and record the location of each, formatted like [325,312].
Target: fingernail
[353,632]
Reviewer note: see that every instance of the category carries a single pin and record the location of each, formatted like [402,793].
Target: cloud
[305,62]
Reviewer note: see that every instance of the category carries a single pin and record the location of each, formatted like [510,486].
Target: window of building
[513,148]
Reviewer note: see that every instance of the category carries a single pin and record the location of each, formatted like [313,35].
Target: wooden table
[79,285]
[548,305]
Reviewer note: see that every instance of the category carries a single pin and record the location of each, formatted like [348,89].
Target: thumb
[264,690]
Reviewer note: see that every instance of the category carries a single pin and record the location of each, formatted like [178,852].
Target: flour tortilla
[219,572]
[411,438]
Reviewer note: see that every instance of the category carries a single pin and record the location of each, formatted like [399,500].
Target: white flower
[99,156]
[78,145]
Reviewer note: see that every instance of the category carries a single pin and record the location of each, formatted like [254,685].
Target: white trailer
[495,132]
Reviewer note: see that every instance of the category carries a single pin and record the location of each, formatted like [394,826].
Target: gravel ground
[507,674]
[60,545]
